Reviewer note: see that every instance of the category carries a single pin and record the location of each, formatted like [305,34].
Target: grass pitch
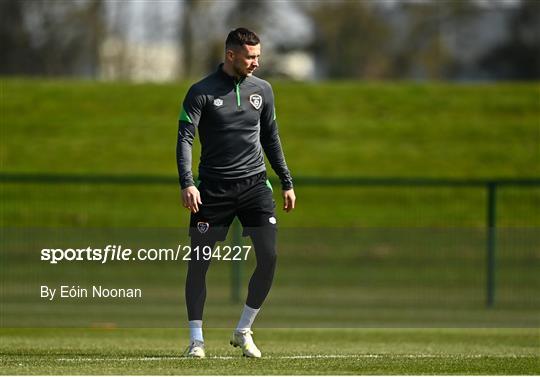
[416,258]
[286,351]
[327,129]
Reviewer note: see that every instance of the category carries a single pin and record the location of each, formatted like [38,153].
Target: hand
[288,200]
[191,198]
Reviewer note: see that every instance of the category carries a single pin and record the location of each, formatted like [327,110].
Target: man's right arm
[184,146]
[188,121]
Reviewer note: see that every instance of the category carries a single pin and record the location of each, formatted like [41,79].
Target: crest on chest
[256,101]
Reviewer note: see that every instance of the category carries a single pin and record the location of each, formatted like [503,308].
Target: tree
[249,14]
[350,40]
[52,37]
[518,58]
[421,51]
[15,46]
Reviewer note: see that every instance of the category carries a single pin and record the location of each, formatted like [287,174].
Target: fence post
[236,266]
[491,241]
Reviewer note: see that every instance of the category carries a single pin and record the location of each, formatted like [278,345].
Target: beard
[241,71]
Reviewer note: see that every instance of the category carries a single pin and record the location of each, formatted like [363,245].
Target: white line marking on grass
[361,356]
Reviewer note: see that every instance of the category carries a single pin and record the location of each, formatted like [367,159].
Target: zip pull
[237,89]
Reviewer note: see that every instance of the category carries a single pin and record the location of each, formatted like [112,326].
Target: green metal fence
[491,187]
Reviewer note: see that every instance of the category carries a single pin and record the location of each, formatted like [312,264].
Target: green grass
[391,278]
[341,128]
[325,278]
[327,129]
[71,205]
[286,351]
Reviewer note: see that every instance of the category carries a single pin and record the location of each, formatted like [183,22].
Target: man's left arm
[272,148]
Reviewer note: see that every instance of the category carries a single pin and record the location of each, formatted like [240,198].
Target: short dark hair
[241,36]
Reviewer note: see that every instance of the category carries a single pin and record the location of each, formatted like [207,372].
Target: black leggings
[264,242]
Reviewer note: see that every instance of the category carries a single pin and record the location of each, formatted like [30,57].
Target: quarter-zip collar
[234,81]
[221,73]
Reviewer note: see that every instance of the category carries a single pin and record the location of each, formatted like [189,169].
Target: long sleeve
[271,143]
[184,146]
[188,120]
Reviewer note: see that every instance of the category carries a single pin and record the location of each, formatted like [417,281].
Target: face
[245,60]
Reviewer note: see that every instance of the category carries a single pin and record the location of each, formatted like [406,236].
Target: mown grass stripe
[361,356]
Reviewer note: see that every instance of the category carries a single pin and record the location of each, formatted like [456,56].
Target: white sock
[195,331]
[247,318]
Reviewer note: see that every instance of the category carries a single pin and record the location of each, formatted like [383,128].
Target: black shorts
[249,198]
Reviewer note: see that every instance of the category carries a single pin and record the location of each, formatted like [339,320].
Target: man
[233,112]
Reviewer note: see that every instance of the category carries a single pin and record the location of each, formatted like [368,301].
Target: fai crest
[256,101]
[218,102]
[202,227]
